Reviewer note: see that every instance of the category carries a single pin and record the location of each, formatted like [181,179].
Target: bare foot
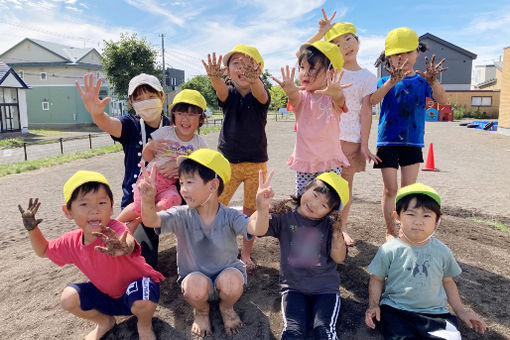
[231,321]
[146,334]
[101,329]
[349,241]
[250,265]
[201,324]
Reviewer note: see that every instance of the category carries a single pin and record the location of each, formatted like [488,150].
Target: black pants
[149,241]
[399,324]
[319,311]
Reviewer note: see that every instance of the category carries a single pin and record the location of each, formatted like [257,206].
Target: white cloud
[151,7]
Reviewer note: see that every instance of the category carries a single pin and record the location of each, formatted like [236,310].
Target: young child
[146,96]
[121,282]
[310,248]
[206,233]
[414,275]
[356,123]
[242,140]
[317,107]
[402,119]
[166,144]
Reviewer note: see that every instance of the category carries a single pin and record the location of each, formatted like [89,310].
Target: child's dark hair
[314,57]
[422,201]
[142,89]
[189,166]
[422,47]
[85,188]
[185,107]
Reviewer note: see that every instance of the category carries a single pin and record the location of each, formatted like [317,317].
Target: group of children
[185,189]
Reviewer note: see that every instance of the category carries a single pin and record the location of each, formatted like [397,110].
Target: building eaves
[450,45]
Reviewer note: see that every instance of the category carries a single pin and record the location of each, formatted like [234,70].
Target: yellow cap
[249,51]
[331,51]
[339,29]
[339,184]
[211,159]
[79,178]
[400,40]
[418,188]
[192,97]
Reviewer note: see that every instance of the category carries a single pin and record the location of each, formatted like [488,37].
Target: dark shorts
[93,298]
[393,156]
[399,324]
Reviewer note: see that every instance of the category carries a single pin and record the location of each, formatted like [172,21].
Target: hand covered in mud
[28,216]
[431,72]
[397,72]
[213,68]
[115,246]
[251,69]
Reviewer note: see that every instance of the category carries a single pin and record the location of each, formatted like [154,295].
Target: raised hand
[397,72]
[325,23]
[431,72]
[147,185]
[90,95]
[250,69]
[115,246]
[28,216]
[287,82]
[333,86]
[265,192]
[213,68]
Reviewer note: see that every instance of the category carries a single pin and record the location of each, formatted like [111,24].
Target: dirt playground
[473,181]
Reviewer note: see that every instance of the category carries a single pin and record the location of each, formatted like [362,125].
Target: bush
[458,111]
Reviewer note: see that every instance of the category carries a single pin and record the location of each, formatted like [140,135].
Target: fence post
[90,141]
[61,146]
[25,150]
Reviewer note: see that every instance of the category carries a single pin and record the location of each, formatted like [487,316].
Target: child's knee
[143,308]
[230,282]
[70,299]
[196,287]
[390,191]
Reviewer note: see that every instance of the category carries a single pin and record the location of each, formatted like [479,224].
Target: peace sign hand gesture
[115,246]
[397,72]
[213,68]
[147,185]
[333,87]
[265,192]
[325,23]
[430,75]
[287,82]
[28,216]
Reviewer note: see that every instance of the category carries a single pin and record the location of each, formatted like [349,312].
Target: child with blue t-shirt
[414,275]
[401,129]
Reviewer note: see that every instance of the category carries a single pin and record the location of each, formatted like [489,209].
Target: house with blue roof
[51,69]
[13,105]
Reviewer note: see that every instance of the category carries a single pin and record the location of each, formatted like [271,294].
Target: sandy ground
[473,182]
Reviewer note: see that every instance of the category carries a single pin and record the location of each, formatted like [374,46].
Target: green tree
[203,85]
[278,98]
[266,79]
[124,59]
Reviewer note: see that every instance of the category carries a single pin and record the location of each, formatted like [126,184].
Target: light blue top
[203,249]
[402,118]
[414,275]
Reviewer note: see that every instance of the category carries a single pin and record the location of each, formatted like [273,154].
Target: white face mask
[149,110]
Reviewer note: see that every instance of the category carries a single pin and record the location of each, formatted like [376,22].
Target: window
[46,106]
[43,75]
[481,101]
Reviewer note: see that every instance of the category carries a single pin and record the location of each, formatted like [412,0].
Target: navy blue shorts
[393,156]
[92,298]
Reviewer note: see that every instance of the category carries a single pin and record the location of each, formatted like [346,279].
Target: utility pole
[165,106]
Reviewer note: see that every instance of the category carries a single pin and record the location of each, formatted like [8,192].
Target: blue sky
[276,27]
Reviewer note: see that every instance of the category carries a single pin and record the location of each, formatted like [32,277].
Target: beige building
[477,100]
[504,106]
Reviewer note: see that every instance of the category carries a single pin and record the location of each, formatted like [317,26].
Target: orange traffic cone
[295,126]
[430,165]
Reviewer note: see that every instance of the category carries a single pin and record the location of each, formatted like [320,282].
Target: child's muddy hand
[213,67]
[397,72]
[430,75]
[115,246]
[28,216]
[251,69]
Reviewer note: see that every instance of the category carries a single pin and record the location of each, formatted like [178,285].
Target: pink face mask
[149,110]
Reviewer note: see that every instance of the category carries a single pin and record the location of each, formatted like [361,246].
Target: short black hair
[422,201]
[189,166]
[141,89]
[185,107]
[323,188]
[314,57]
[85,188]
